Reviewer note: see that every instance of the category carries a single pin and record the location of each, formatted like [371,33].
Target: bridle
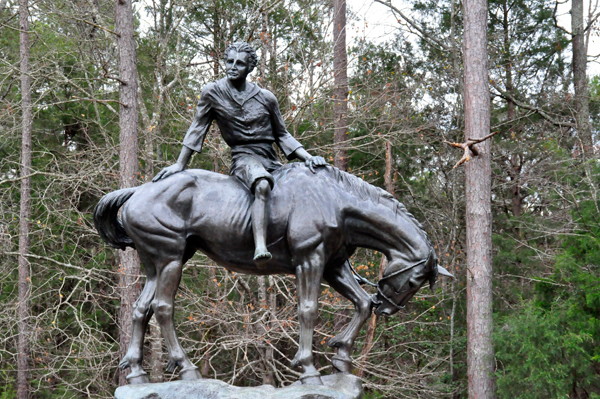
[378,285]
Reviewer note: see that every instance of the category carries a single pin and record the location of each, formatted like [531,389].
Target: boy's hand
[168,171]
[314,162]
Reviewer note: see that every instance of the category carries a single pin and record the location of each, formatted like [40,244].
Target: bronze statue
[250,122]
[315,223]
[317,218]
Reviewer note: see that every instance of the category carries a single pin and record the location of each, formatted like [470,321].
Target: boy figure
[250,122]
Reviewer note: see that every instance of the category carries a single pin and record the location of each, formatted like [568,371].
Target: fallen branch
[467,147]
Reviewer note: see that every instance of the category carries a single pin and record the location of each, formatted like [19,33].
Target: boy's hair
[243,47]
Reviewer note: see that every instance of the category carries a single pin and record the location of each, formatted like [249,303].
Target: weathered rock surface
[337,386]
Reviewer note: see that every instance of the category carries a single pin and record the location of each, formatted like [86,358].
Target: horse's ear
[444,272]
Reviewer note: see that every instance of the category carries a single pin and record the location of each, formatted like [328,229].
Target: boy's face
[237,65]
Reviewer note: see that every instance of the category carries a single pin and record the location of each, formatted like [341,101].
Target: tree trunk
[217,39]
[128,163]
[340,100]
[340,110]
[480,354]
[155,336]
[25,209]
[266,351]
[372,324]
[156,352]
[269,353]
[515,161]
[265,48]
[582,108]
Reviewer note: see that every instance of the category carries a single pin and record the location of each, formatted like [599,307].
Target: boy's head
[240,60]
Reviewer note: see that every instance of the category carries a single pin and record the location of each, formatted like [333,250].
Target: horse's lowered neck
[379,227]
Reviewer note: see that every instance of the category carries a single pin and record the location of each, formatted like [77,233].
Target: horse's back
[214,212]
[190,197]
[313,206]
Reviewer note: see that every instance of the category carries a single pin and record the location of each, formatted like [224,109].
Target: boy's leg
[257,178]
[262,190]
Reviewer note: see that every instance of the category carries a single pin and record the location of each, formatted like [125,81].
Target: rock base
[336,386]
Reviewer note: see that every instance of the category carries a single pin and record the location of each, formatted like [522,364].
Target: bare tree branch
[97,26]
[556,25]
[424,35]
[537,110]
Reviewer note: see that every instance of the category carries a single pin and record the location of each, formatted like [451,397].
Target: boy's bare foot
[262,257]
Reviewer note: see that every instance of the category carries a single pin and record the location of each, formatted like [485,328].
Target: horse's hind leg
[142,312]
[308,283]
[342,280]
[168,282]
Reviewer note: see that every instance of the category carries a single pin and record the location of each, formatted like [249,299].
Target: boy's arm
[288,144]
[194,138]
[309,160]
[181,164]
[285,141]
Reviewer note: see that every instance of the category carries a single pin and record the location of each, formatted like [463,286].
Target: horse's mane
[367,192]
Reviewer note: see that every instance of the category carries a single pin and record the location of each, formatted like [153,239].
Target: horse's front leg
[342,280]
[142,312]
[308,282]
[168,283]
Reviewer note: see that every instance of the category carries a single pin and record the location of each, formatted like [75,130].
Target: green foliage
[373,395]
[8,391]
[549,347]
[542,353]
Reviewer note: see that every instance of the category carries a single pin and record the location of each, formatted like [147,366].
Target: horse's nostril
[413,284]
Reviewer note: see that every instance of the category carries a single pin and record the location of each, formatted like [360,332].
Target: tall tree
[372,323]
[25,208]
[480,354]
[340,73]
[582,108]
[340,104]
[128,162]
[266,351]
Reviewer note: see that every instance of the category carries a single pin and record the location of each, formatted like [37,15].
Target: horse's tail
[106,219]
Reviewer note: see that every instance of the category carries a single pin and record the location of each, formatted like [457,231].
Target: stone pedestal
[337,386]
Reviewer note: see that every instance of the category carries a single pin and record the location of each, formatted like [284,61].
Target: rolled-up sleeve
[194,138]
[283,138]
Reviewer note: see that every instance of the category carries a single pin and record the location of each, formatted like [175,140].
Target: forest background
[404,101]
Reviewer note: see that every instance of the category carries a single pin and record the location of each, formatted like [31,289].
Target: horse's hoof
[295,363]
[138,378]
[261,258]
[335,342]
[171,366]
[341,364]
[311,379]
[124,364]
[190,373]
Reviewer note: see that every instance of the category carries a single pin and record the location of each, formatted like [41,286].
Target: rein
[378,285]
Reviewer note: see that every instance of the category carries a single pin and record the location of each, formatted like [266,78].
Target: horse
[317,219]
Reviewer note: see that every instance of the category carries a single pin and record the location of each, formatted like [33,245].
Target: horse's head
[399,284]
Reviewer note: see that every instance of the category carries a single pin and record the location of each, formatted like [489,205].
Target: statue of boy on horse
[250,122]
[316,221]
